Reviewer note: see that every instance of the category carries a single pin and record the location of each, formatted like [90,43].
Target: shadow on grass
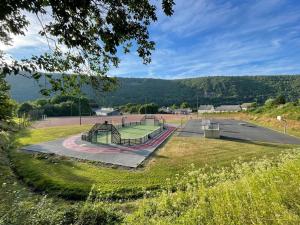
[239,140]
[33,168]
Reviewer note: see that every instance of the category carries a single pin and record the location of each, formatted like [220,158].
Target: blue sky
[211,37]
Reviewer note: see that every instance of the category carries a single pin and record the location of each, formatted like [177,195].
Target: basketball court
[238,130]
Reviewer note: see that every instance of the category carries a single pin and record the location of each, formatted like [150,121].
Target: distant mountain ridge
[210,90]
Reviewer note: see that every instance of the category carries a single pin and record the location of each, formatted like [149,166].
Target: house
[165,110]
[206,109]
[228,108]
[247,106]
[107,112]
[183,111]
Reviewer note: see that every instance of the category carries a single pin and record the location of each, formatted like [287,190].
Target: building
[247,106]
[228,108]
[183,111]
[107,112]
[206,109]
[165,110]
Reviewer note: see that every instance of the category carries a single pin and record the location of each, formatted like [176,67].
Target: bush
[25,108]
[184,105]
[97,214]
[280,100]
[46,211]
[263,192]
[269,102]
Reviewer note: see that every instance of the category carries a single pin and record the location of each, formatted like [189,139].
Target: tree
[25,108]
[7,106]
[84,37]
[270,102]
[174,106]
[280,99]
[184,105]
[148,108]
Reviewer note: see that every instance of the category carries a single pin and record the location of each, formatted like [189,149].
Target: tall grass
[263,192]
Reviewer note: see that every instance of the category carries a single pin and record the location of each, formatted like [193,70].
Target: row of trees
[151,108]
[57,106]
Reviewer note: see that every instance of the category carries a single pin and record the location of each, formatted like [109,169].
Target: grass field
[261,192]
[73,179]
[131,132]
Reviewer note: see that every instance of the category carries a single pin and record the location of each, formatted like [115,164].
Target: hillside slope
[216,90]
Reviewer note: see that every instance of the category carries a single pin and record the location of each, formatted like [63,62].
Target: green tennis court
[131,132]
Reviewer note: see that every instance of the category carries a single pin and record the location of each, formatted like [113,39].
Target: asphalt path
[239,130]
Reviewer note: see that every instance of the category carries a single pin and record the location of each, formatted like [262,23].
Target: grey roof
[106,110]
[228,108]
[246,104]
[206,107]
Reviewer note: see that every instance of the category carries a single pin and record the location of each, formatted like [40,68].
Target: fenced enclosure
[131,133]
[211,130]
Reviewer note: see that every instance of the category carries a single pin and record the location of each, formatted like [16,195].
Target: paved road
[239,130]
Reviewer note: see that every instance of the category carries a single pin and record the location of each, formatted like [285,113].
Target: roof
[228,108]
[183,110]
[206,107]
[246,104]
[106,110]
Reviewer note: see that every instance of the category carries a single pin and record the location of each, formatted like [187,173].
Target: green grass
[73,179]
[137,131]
[288,110]
[264,192]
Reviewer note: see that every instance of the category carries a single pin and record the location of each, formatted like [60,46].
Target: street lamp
[281,119]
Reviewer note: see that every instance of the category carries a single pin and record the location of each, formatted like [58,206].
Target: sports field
[131,132]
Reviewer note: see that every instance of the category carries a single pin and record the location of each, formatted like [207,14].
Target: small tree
[279,100]
[174,106]
[270,102]
[184,105]
[149,108]
[25,108]
[7,106]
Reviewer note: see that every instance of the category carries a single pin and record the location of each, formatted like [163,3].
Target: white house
[246,106]
[183,111]
[107,112]
[228,108]
[206,109]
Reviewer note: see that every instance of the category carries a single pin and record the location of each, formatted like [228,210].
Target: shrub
[25,108]
[270,102]
[263,192]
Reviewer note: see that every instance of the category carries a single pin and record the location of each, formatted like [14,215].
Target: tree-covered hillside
[215,90]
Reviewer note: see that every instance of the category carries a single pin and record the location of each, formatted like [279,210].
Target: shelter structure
[228,108]
[107,112]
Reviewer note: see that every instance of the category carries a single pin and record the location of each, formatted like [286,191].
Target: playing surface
[129,133]
[130,156]
[239,130]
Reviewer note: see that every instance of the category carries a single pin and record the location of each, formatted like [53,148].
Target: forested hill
[216,90]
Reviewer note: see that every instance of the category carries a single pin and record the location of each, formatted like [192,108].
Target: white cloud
[31,39]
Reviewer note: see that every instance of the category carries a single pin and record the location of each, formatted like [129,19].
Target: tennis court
[129,132]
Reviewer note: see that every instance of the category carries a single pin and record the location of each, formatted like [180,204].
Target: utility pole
[197,106]
[145,105]
[79,109]
[79,102]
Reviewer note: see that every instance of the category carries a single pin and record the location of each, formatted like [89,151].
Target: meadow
[186,181]
[72,179]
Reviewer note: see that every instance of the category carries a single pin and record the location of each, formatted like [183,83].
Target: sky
[208,38]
